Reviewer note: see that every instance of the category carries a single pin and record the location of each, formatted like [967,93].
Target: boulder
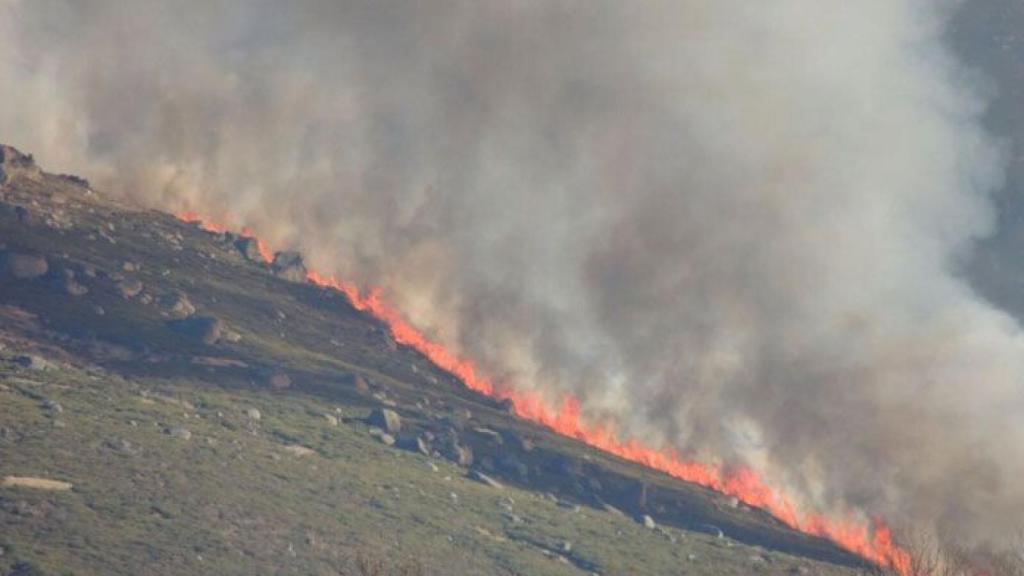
[483,479]
[179,433]
[250,248]
[385,419]
[129,287]
[278,380]
[206,329]
[289,265]
[414,443]
[21,266]
[648,522]
[177,305]
[384,437]
[67,283]
[253,414]
[33,362]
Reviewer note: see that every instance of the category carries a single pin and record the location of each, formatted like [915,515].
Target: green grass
[232,499]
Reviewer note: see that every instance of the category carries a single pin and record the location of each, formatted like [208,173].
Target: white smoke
[733,227]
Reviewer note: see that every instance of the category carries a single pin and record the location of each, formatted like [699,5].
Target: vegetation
[249,453]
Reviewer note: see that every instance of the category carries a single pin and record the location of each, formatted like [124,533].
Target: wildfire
[872,541]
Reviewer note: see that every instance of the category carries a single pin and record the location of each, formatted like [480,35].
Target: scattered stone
[289,265]
[483,479]
[129,288]
[37,483]
[178,305]
[648,522]
[253,414]
[52,406]
[388,420]
[414,443]
[179,432]
[298,450]
[21,266]
[279,380]
[612,509]
[206,329]
[122,446]
[517,440]
[250,248]
[491,435]
[514,467]
[711,529]
[33,362]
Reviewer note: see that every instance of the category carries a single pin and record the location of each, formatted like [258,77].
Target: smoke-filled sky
[748,230]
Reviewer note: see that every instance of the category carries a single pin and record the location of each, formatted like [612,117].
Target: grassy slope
[232,499]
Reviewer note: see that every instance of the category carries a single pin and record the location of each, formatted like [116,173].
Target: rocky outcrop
[206,329]
[21,266]
[385,419]
[289,265]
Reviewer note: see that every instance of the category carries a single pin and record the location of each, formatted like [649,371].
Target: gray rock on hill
[177,305]
[250,248]
[387,420]
[22,266]
[289,265]
[206,329]
[129,287]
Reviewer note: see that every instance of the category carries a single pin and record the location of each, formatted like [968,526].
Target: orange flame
[871,541]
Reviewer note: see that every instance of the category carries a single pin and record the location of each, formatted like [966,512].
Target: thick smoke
[731,227]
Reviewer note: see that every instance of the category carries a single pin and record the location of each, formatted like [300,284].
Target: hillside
[170,404]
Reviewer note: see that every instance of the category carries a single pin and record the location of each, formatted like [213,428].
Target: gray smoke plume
[732,227]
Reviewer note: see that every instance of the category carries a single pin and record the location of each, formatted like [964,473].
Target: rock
[612,509]
[461,455]
[298,450]
[250,249]
[130,267]
[289,265]
[52,406]
[414,443]
[648,522]
[483,479]
[122,446]
[37,483]
[383,436]
[711,529]
[517,440]
[179,432]
[514,467]
[33,362]
[206,329]
[72,287]
[278,380]
[331,419]
[177,305]
[129,287]
[21,266]
[253,414]
[388,420]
